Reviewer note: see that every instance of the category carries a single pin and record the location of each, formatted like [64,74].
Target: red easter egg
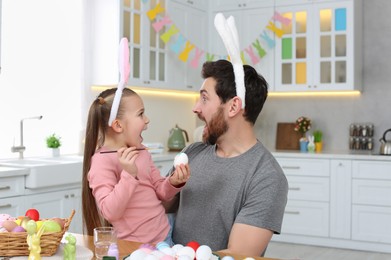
[193,244]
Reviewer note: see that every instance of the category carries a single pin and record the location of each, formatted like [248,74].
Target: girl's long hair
[97,126]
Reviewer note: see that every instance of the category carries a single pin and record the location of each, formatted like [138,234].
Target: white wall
[42,74]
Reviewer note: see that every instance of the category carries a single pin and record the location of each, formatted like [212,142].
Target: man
[236,196]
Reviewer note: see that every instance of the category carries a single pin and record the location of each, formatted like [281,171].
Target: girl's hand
[127,157]
[180,175]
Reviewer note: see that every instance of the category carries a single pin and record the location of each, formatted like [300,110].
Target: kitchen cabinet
[164,162]
[192,23]
[224,5]
[307,210]
[11,199]
[13,206]
[60,204]
[148,52]
[371,208]
[250,23]
[337,201]
[320,50]
[198,4]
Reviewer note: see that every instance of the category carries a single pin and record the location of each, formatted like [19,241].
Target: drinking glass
[103,238]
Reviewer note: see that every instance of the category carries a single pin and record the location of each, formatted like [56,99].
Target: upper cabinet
[148,54]
[252,19]
[320,49]
[189,46]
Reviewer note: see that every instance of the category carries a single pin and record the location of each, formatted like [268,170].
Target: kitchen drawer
[372,170]
[371,223]
[11,186]
[371,192]
[13,206]
[308,188]
[305,167]
[306,218]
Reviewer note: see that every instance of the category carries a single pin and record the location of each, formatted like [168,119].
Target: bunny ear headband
[229,34]
[124,71]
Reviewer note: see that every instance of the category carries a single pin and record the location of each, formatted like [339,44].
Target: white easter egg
[181,158]
[184,257]
[168,251]
[227,257]
[137,255]
[186,251]
[176,247]
[151,257]
[203,253]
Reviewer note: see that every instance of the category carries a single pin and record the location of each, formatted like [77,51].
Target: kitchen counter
[349,155]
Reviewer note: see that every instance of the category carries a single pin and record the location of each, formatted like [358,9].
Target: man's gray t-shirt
[250,189]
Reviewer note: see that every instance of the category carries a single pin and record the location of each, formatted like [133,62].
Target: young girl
[121,185]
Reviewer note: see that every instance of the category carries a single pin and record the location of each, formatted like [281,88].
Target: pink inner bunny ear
[123,60]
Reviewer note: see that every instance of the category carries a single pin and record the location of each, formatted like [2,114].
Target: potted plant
[318,135]
[303,124]
[54,142]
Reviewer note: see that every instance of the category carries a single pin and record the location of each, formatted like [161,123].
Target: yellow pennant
[155,11]
[168,34]
[272,27]
[185,53]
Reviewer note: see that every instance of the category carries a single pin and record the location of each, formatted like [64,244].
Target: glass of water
[103,238]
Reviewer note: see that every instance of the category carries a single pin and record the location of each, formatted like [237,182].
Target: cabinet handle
[5,206]
[292,212]
[189,86]
[294,188]
[147,82]
[244,5]
[5,188]
[72,195]
[190,2]
[291,167]
[239,5]
[66,196]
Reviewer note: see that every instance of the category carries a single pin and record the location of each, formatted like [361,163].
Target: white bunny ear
[124,71]
[229,34]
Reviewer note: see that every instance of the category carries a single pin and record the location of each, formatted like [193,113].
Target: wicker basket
[15,243]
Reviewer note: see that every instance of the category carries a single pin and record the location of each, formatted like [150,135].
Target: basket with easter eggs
[15,233]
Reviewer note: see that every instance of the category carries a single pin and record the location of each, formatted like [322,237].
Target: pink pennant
[196,60]
[278,17]
[158,25]
[253,57]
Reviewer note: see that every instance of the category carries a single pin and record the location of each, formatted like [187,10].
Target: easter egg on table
[180,158]
[193,244]
[186,251]
[203,253]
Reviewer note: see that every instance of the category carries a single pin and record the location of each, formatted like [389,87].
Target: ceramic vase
[318,147]
[303,146]
[55,152]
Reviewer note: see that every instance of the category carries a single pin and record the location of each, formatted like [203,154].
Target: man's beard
[216,127]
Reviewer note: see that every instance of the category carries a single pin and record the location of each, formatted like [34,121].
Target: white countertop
[352,155]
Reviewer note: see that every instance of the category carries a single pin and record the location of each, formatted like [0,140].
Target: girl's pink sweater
[132,206]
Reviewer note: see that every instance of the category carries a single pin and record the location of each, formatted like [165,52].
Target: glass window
[340,71]
[325,46]
[325,72]
[301,22]
[152,65]
[287,73]
[136,63]
[301,47]
[325,20]
[340,45]
[301,73]
[136,29]
[286,48]
[126,29]
[287,29]
[161,66]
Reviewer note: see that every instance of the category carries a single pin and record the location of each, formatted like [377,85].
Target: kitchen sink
[48,172]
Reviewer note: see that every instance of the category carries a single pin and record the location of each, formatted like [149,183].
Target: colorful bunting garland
[183,47]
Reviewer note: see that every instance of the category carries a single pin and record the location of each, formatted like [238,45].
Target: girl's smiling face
[134,121]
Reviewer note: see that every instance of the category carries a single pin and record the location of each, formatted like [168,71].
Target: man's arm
[248,240]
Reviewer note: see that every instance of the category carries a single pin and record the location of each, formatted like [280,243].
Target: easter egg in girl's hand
[33,214]
[181,158]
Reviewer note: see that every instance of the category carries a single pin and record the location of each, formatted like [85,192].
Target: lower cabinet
[371,197]
[335,202]
[13,206]
[58,204]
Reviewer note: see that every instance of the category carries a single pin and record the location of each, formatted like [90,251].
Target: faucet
[20,149]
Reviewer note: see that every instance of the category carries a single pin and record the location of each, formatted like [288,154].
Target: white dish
[82,253]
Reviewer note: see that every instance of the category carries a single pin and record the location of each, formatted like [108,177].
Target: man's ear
[116,126]
[235,106]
